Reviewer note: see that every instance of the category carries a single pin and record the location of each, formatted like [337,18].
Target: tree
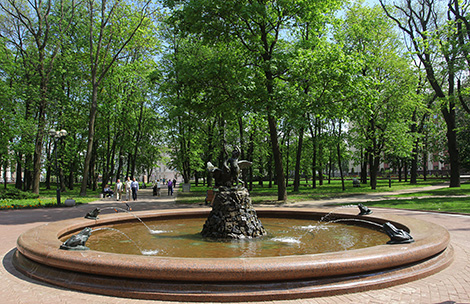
[8,127]
[438,49]
[38,40]
[112,26]
[380,112]
[256,26]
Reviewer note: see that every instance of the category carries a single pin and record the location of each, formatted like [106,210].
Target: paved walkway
[452,285]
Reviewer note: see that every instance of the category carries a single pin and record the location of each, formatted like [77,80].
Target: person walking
[118,187]
[159,187]
[134,188]
[170,187]
[128,188]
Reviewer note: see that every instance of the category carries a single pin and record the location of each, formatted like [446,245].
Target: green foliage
[15,194]
[199,77]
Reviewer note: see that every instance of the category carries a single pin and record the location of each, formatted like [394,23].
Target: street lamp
[57,135]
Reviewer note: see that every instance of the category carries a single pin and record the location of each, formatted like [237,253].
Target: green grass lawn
[449,200]
[268,195]
[12,198]
[464,189]
[442,204]
[424,200]
[450,203]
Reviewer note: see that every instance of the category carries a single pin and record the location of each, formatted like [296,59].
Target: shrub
[15,194]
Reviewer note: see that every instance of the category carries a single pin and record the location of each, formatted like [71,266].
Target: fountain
[230,279]
[232,215]
[264,278]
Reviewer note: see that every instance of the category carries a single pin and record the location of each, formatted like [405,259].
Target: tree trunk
[405,171]
[251,147]
[210,149]
[48,176]
[364,157]
[38,145]
[298,159]
[452,148]
[399,172]
[71,174]
[270,170]
[330,166]
[27,172]
[5,181]
[91,136]
[120,165]
[374,168]
[313,134]
[414,165]
[338,149]
[261,171]
[93,174]
[281,186]
[287,158]
[19,180]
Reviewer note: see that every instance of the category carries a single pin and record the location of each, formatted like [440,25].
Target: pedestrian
[170,187]
[107,191]
[134,188]
[174,183]
[118,187]
[159,187]
[128,189]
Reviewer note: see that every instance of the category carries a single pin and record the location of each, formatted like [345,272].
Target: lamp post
[57,135]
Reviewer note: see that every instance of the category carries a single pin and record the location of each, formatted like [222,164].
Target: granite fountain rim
[41,245]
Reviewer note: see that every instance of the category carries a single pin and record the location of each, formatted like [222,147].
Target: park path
[451,285]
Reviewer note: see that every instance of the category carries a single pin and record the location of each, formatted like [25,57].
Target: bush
[15,194]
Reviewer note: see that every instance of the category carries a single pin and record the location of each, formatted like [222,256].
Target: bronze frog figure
[77,241]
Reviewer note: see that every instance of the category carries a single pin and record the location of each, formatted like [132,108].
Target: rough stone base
[233,216]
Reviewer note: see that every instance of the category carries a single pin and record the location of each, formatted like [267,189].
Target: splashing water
[119,231]
[157,231]
[150,252]
[151,231]
[323,218]
[314,227]
[356,220]
[288,240]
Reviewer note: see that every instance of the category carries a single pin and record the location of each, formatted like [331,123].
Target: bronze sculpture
[228,176]
[77,241]
[397,236]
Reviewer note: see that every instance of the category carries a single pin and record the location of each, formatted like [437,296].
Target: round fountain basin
[286,236]
[231,279]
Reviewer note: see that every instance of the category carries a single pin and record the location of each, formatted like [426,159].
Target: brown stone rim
[246,279]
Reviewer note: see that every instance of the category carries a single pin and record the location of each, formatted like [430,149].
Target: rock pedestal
[233,216]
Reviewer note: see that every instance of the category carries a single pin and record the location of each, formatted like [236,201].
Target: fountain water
[94,215]
[120,232]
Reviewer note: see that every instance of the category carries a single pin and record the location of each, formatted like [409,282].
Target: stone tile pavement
[451,285]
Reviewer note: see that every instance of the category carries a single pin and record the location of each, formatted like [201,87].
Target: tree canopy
[303,88]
